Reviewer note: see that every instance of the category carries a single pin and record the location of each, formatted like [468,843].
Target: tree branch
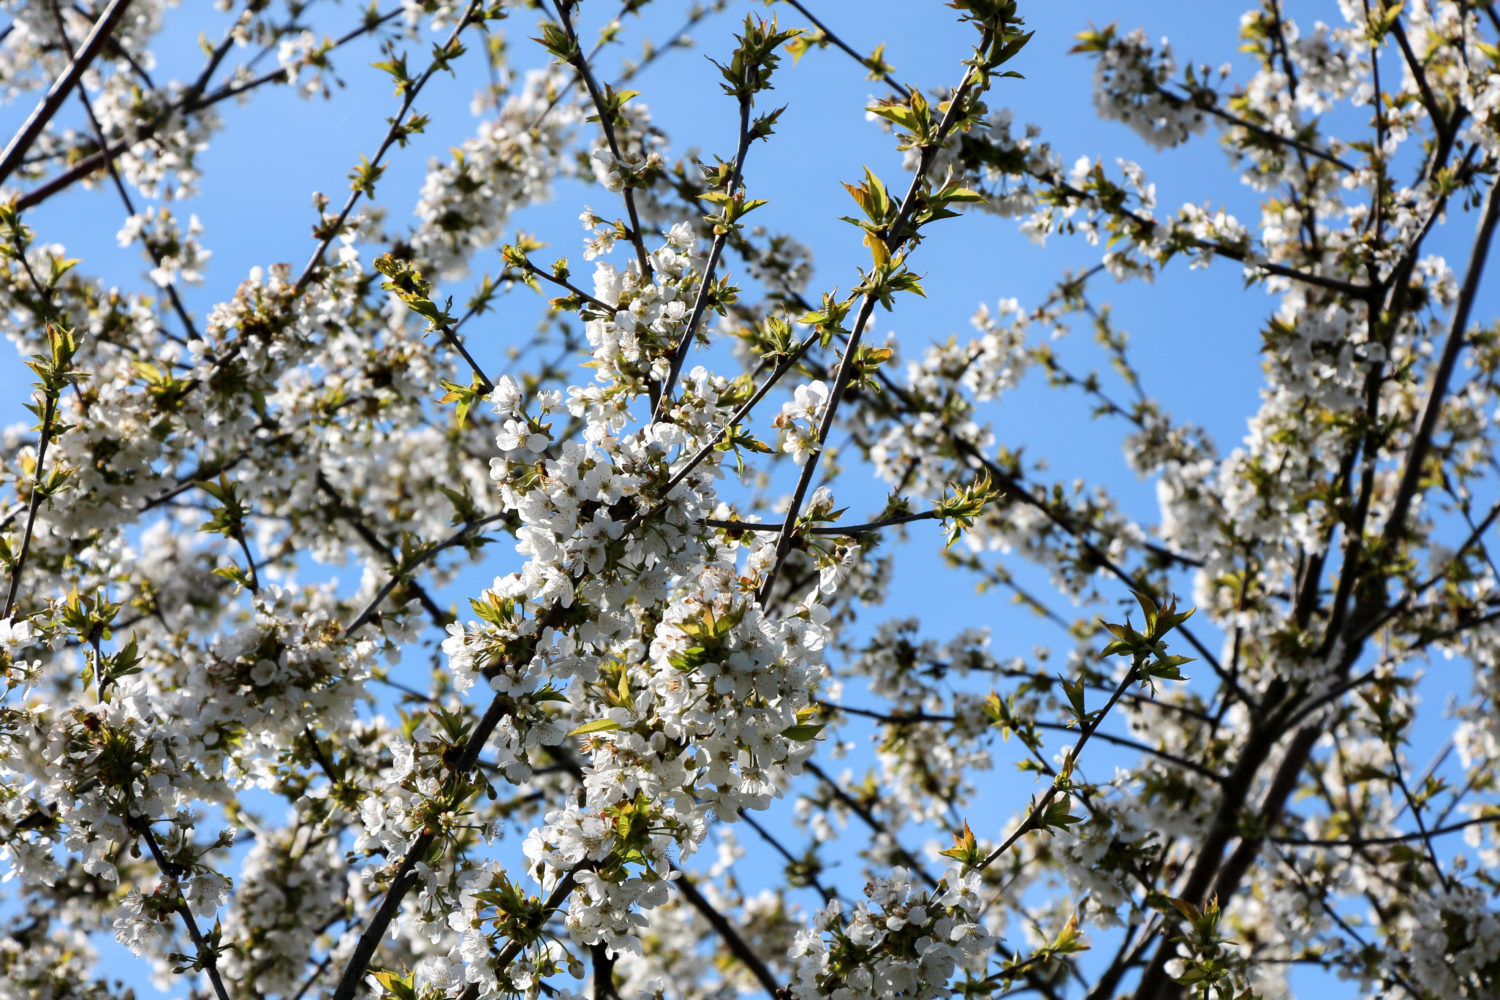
[53,99]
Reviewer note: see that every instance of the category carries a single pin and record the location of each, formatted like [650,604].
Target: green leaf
[597,726]
[1148,608]
[400,987]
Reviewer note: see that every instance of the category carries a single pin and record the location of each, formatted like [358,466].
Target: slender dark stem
[318,755]
[1338,919]
[458,537]
[707,449]
[607,126]
[1355,843]
[1233,253]
[239,536]
[918,718]
[1377,152]
[737,945]
[836,529]
[406,874]
[569,287]
[781,849]
[351,515]
[203,472]
[866,817]
[333,228]
[1086,732]
[894,237]
[1423,834]
[1292,142]
[1440,123]
[885,78]
[700,302]
[313,977]
[451,336]
[171,872]
[1361,293]
[1015,490]
[49,409]
[48,427]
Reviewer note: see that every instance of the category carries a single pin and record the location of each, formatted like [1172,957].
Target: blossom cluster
[273,781]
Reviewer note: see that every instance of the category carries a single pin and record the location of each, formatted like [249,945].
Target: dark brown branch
[1440,123]
[46,429]
[885,78]
[833,529]
[53,99]
[1226,825]
[206,956]
[450,334]
[1416,457]
[919,718]
[705,284]
[343,510]
[1337,918]
[607,126]
[1271,136]
[458,537]
[114,174]
[875,825]
[1018,491]
[1039,808]
[569,287]
[191,100]
[736,944]
[406,874]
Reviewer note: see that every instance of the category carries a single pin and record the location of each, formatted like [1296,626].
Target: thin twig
[333,228]
[885,78]
[191,100]
[406,873]
[1086,732]
[1236,121]
[458,537]
[88,107]
[731,937]
[206,955]
[837,529]
[705,283]
[607,126]
[1416,456]
[47,428]
[1419,73]
[893,237]
[683,470]
[569,287]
